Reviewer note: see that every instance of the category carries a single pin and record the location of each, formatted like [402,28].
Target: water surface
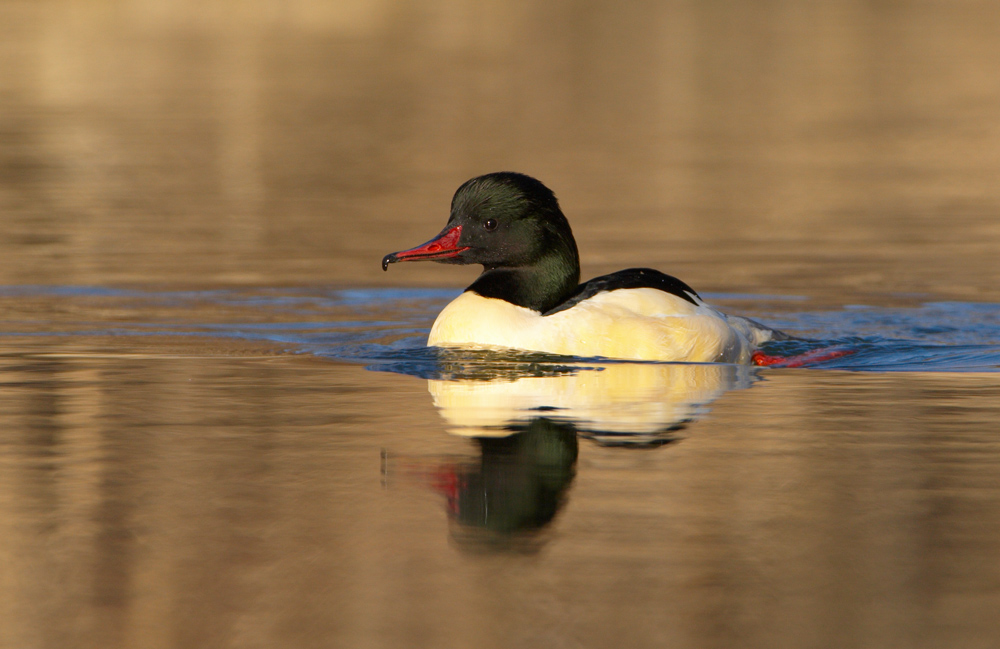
[224,467]
[220,424]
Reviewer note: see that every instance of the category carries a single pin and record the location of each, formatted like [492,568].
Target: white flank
[635,324]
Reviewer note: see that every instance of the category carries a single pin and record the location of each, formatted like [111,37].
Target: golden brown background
[778,147]
[207,492]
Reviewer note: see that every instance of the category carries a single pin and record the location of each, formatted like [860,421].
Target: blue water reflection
[386,329]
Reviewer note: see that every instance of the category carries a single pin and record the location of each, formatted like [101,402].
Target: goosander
[528,296]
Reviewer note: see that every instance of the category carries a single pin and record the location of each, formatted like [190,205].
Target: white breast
[639,324]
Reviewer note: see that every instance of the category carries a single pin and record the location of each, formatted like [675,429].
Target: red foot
[815,356]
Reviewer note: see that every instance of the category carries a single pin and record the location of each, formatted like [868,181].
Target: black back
[629,278]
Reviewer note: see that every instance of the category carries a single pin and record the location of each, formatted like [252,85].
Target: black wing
[630,278]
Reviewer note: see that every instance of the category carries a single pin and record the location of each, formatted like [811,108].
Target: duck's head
[500,220]
[512,225]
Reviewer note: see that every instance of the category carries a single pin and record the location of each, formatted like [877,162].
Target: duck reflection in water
[504,499]
[526,419]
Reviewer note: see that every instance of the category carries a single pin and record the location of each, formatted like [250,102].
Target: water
[220,424]
[386,329]
[293,466]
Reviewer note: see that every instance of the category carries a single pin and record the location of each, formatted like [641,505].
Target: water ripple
[386,329]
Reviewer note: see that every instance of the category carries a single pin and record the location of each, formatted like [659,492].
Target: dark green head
[512,225]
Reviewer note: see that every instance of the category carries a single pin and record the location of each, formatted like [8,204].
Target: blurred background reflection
[834,147]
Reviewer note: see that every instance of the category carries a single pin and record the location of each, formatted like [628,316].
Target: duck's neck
[540,286]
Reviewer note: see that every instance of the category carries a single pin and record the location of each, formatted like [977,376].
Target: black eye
[490,224]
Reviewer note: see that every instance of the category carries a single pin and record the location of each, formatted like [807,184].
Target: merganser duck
[528,296]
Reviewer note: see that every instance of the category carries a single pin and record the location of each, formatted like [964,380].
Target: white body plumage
[636,323]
